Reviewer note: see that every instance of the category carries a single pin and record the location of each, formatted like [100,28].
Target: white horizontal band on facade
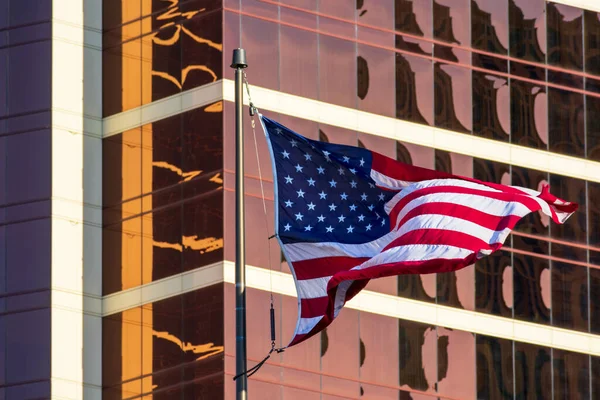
[360,121]
[592,5]
[164,108]
[366,301]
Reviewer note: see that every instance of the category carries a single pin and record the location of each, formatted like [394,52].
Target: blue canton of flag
[325,192]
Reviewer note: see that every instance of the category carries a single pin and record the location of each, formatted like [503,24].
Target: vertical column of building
[76,199]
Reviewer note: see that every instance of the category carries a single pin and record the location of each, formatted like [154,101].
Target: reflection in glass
[148,235]
[337,71]
[565,40]
[450,25]
[527,32]
[569,296]
[566,122]
[376,70]
[414,85]
[299,62]
[414,17]
[491,114]
[342,356]
[155,347]
[594,240]
[592,42]
[418,356]
[494,283]
[595,373]
[569,282]
[456,364]
[531,274]
[533,371]
[177,47]
[571,375]
[528,114]
[452,97]
[489,25]
[592,116]
[494,368]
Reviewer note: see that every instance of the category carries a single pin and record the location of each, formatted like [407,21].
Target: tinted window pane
[494,368]
[594,241]
[595,381]
[533,371]
[528,114]
[592,127]
[592,42]
[414,16]
[489,24]
[27,162]
[155,347]
[491,100]
[25,269]
[527,35]
[27,348]
[566,122]
[571,375]
[569,281]
[29,79]
[299,61]
[452,97]
[418,356]
[531,273]
[456,364]
[565,40]
[414,85]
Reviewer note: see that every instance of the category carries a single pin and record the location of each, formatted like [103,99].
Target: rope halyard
[253,112]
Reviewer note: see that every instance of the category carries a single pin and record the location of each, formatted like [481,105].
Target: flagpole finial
[239,59]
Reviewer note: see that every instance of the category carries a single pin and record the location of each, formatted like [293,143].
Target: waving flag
[345,215]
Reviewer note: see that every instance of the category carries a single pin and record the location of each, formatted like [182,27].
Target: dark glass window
[453,97]
[527,34]
[491,106]
[163,198]
[569,281]
[566,122]
[594,253]
[571,375]
[418,355]
[529,114]
[533,372]
[592,116]
[489,25]
[159,346]
[494,368]
[531,273]
[565,36]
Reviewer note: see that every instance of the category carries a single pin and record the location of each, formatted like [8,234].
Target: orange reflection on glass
[173,12]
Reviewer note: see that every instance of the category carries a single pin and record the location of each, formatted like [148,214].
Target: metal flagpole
[239,63]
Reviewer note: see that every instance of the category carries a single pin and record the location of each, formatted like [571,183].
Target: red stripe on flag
[316,307]
[326,266]
[404,172]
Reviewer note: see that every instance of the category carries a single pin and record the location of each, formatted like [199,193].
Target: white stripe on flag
[312,288]
[385,181]
[309,251]
[498,208]
[305,325]
[448,223]
[435,183]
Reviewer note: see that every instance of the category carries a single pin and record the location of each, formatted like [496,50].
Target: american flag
[345,215]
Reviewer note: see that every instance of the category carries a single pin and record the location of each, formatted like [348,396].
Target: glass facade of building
[524,72]
[515,72]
